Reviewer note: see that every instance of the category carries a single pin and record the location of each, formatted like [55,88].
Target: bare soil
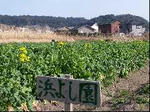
[134,81]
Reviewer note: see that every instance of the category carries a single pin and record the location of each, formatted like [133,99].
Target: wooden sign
[69,90]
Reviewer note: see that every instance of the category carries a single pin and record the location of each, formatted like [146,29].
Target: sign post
[68,106]
[68,90]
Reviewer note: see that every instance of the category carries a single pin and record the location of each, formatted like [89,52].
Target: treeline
[54,22]
[126,21]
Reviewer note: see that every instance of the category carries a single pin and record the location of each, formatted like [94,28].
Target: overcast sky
[75,8]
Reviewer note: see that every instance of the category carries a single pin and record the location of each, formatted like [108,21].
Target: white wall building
[95,27]
[86,30]
[137,30]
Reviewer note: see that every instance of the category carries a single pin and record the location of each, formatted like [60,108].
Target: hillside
[40,20]
[126,21]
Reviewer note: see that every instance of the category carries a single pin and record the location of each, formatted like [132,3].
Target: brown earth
[134,81]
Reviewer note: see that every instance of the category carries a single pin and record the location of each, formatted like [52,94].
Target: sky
[75,8]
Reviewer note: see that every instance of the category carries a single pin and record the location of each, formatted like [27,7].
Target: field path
[134,81]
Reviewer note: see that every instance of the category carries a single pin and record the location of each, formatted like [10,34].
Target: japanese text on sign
[69,90]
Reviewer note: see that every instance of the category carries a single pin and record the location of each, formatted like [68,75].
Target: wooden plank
[69,90]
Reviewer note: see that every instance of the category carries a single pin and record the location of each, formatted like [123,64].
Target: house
[86,30]
[67,30]
[111,28]
[62,30]
[95,27]
[71,27]
[122,34]
[73,30]
[137,30]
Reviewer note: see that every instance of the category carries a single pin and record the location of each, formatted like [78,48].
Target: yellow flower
[61,43]
[27,58]
[24,57]
[24,50]
[102,77]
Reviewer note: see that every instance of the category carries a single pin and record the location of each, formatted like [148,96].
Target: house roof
[63,28]
[70,28]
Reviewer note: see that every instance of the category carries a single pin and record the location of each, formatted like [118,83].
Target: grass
[32,36]
[140,97]
[143,94]
[14,36]
[121,99]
